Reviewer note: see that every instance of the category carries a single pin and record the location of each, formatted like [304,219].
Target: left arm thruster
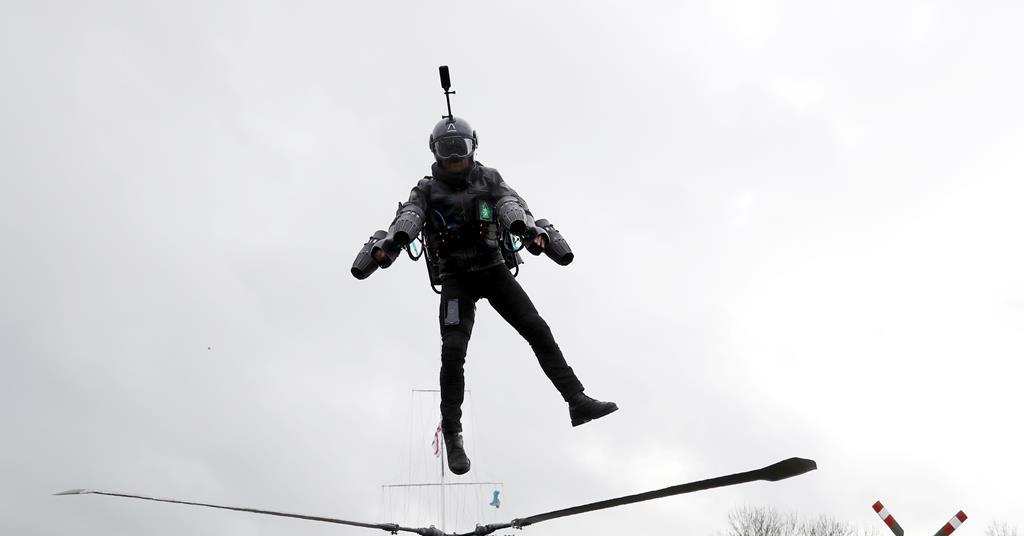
[514,214]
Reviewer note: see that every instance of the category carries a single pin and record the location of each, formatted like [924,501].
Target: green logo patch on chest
[486,212]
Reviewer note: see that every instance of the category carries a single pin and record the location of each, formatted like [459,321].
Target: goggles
[453,147]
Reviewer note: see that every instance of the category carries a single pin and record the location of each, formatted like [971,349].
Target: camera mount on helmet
[446,84]
[452,137]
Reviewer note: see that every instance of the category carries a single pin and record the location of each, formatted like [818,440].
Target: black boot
[583,409]
[458,462]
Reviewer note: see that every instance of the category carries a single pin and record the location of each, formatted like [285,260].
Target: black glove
[529,237]
[386,251]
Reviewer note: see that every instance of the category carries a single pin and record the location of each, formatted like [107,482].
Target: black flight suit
[461,230]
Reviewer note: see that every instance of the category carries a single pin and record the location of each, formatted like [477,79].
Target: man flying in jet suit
[459,209]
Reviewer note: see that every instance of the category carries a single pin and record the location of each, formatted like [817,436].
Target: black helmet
[453,139]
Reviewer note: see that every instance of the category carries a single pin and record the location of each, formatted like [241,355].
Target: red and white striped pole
[888,519]
[953,524]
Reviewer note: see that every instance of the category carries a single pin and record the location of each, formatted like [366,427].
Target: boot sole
[452,469]
[577,422]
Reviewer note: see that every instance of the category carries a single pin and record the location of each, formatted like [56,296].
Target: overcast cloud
[797,229]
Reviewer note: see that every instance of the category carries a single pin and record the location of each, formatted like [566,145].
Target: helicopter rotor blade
[778,471]
[390,527]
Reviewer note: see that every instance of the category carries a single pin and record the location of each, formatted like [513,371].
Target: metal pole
[442,457]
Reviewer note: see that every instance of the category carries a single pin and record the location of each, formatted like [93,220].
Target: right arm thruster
[364,265]
[407,225]
[404,229]
[384,246]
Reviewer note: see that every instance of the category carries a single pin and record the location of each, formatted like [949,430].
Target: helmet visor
[453,147]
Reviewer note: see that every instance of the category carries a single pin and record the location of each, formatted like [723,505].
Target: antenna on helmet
[446,84]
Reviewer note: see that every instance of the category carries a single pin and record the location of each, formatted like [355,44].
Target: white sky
[797,229]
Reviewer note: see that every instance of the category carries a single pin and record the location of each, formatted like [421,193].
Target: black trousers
[459,294]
